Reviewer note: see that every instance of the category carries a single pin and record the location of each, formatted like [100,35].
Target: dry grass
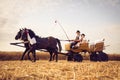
[62,70]
[13,69]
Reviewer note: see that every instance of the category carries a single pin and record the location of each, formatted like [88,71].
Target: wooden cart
[95,51]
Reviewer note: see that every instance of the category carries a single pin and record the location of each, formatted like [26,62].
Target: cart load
[96,47]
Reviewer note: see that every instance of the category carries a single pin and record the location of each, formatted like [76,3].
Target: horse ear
[20,29]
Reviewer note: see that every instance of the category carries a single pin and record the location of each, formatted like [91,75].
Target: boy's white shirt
[32,41]
[83,41]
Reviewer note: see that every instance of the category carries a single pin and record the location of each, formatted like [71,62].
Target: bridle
[21,33]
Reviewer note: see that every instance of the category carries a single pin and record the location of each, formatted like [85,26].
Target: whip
[62,29]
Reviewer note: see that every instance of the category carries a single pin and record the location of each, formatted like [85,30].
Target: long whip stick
[62,29]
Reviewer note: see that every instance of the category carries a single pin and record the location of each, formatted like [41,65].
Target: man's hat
[77,31]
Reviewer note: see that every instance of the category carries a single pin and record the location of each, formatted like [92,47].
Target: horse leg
[56,57]
[34,55]
[32,49]
[56,53]
[29,55]
[24,53]
[51,53]
[53,56]
[33,52]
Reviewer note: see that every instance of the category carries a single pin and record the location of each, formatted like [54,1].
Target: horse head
[21,34]
[18,36]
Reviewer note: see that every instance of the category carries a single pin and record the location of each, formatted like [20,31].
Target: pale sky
[96,18]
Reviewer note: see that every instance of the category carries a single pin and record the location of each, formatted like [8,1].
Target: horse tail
[59,45]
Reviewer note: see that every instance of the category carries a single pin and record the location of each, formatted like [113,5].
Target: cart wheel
[93,56]
[102,56]
[69,56]
[78,57]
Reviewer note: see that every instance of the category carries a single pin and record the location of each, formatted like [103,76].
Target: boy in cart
[77,39]
[82,40]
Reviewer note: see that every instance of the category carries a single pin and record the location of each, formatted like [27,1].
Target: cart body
[95,50]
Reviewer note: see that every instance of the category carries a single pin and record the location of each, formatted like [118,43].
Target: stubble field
[61,70]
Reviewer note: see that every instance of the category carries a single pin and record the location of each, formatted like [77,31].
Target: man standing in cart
[77,39]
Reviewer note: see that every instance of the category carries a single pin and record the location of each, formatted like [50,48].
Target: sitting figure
[82,41]
[77,39]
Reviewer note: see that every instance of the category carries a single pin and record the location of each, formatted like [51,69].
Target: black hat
[77,31]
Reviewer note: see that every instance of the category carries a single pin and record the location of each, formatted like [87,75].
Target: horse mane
[37,36]
[31,33]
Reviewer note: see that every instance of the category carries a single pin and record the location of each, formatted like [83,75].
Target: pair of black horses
[48,43]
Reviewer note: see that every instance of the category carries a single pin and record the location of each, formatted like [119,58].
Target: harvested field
[62,70]
[13,69]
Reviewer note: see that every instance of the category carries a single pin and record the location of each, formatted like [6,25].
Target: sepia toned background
[96,18]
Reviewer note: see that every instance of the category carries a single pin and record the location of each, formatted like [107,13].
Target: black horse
[48,43]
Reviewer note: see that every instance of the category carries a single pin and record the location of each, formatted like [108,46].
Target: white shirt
[83,41]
